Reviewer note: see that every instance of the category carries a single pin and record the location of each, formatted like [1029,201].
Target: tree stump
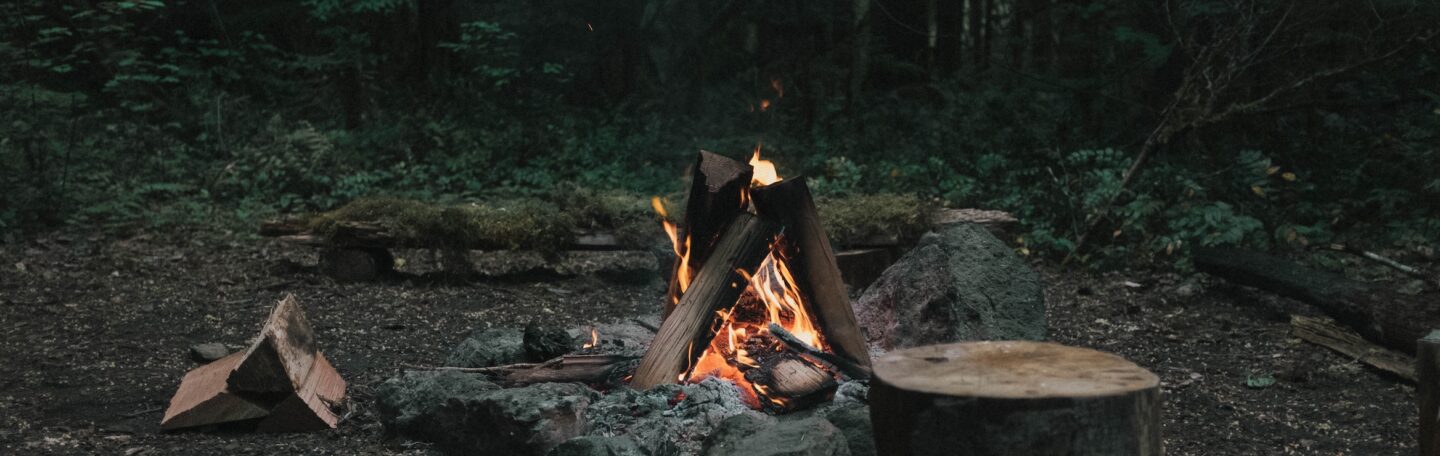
[1427,393]
[1013,398]
[356,264]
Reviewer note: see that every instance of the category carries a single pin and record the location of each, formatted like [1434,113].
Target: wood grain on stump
[1013,398]
[1427,392]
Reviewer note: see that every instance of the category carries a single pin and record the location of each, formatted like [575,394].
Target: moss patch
[508,224]
[854,219]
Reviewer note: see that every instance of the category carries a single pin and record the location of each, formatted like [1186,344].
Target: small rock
[598,446]
[958,284]
[1187,289]
[543,342]
[758,435]
[489,347]
[207,352]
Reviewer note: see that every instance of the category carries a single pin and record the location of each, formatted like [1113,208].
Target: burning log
[1013,397]
[717,196]
[686,331]
[783,376]
[813,265]
[849,368]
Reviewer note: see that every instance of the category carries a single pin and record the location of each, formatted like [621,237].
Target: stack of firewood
[280,384]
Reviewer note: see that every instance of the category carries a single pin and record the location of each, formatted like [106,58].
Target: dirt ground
[96,332]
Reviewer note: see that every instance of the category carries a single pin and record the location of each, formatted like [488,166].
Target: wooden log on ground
[1013,398]
[362,234]
[281,356]
[1324,332]
[1376,311]
[309,407]
[356,264]
[686,333]
[813,265]
[717,196]
[204,400]
[1427,392]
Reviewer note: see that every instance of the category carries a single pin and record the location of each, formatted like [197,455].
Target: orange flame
[684,273]
[770,296]
[594,339]
[765,173]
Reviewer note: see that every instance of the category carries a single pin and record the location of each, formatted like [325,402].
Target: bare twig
[1396,265]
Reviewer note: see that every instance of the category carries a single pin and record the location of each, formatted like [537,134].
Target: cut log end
[1013,398]
[1427,393]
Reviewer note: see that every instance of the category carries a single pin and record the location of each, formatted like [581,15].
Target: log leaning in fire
[1377,312]
[686,332]
[813,264]
[1013,397]
[717,196]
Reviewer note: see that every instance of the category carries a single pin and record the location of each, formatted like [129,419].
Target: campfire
[755,296]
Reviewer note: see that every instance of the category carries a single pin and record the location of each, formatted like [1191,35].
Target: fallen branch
[849,368]
[1396,265]
[1325,333]
[568,368]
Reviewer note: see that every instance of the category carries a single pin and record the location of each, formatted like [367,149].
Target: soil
[97,331]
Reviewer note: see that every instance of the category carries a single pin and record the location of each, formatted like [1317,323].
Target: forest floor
[96,335]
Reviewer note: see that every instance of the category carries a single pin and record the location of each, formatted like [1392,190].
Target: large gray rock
[759,435]
[489,347]
[409,404]
[598,446]
[853,420]
[463,415]
[958,284]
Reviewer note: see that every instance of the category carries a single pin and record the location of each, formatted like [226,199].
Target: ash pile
[539,391]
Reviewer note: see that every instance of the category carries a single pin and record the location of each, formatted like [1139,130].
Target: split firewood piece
[686,332]
[717,196]
[1427,393]
[1013,397]
[281,356]
[308,408]
[1376,311]
[813,264]
[203,399]
[1325,333]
